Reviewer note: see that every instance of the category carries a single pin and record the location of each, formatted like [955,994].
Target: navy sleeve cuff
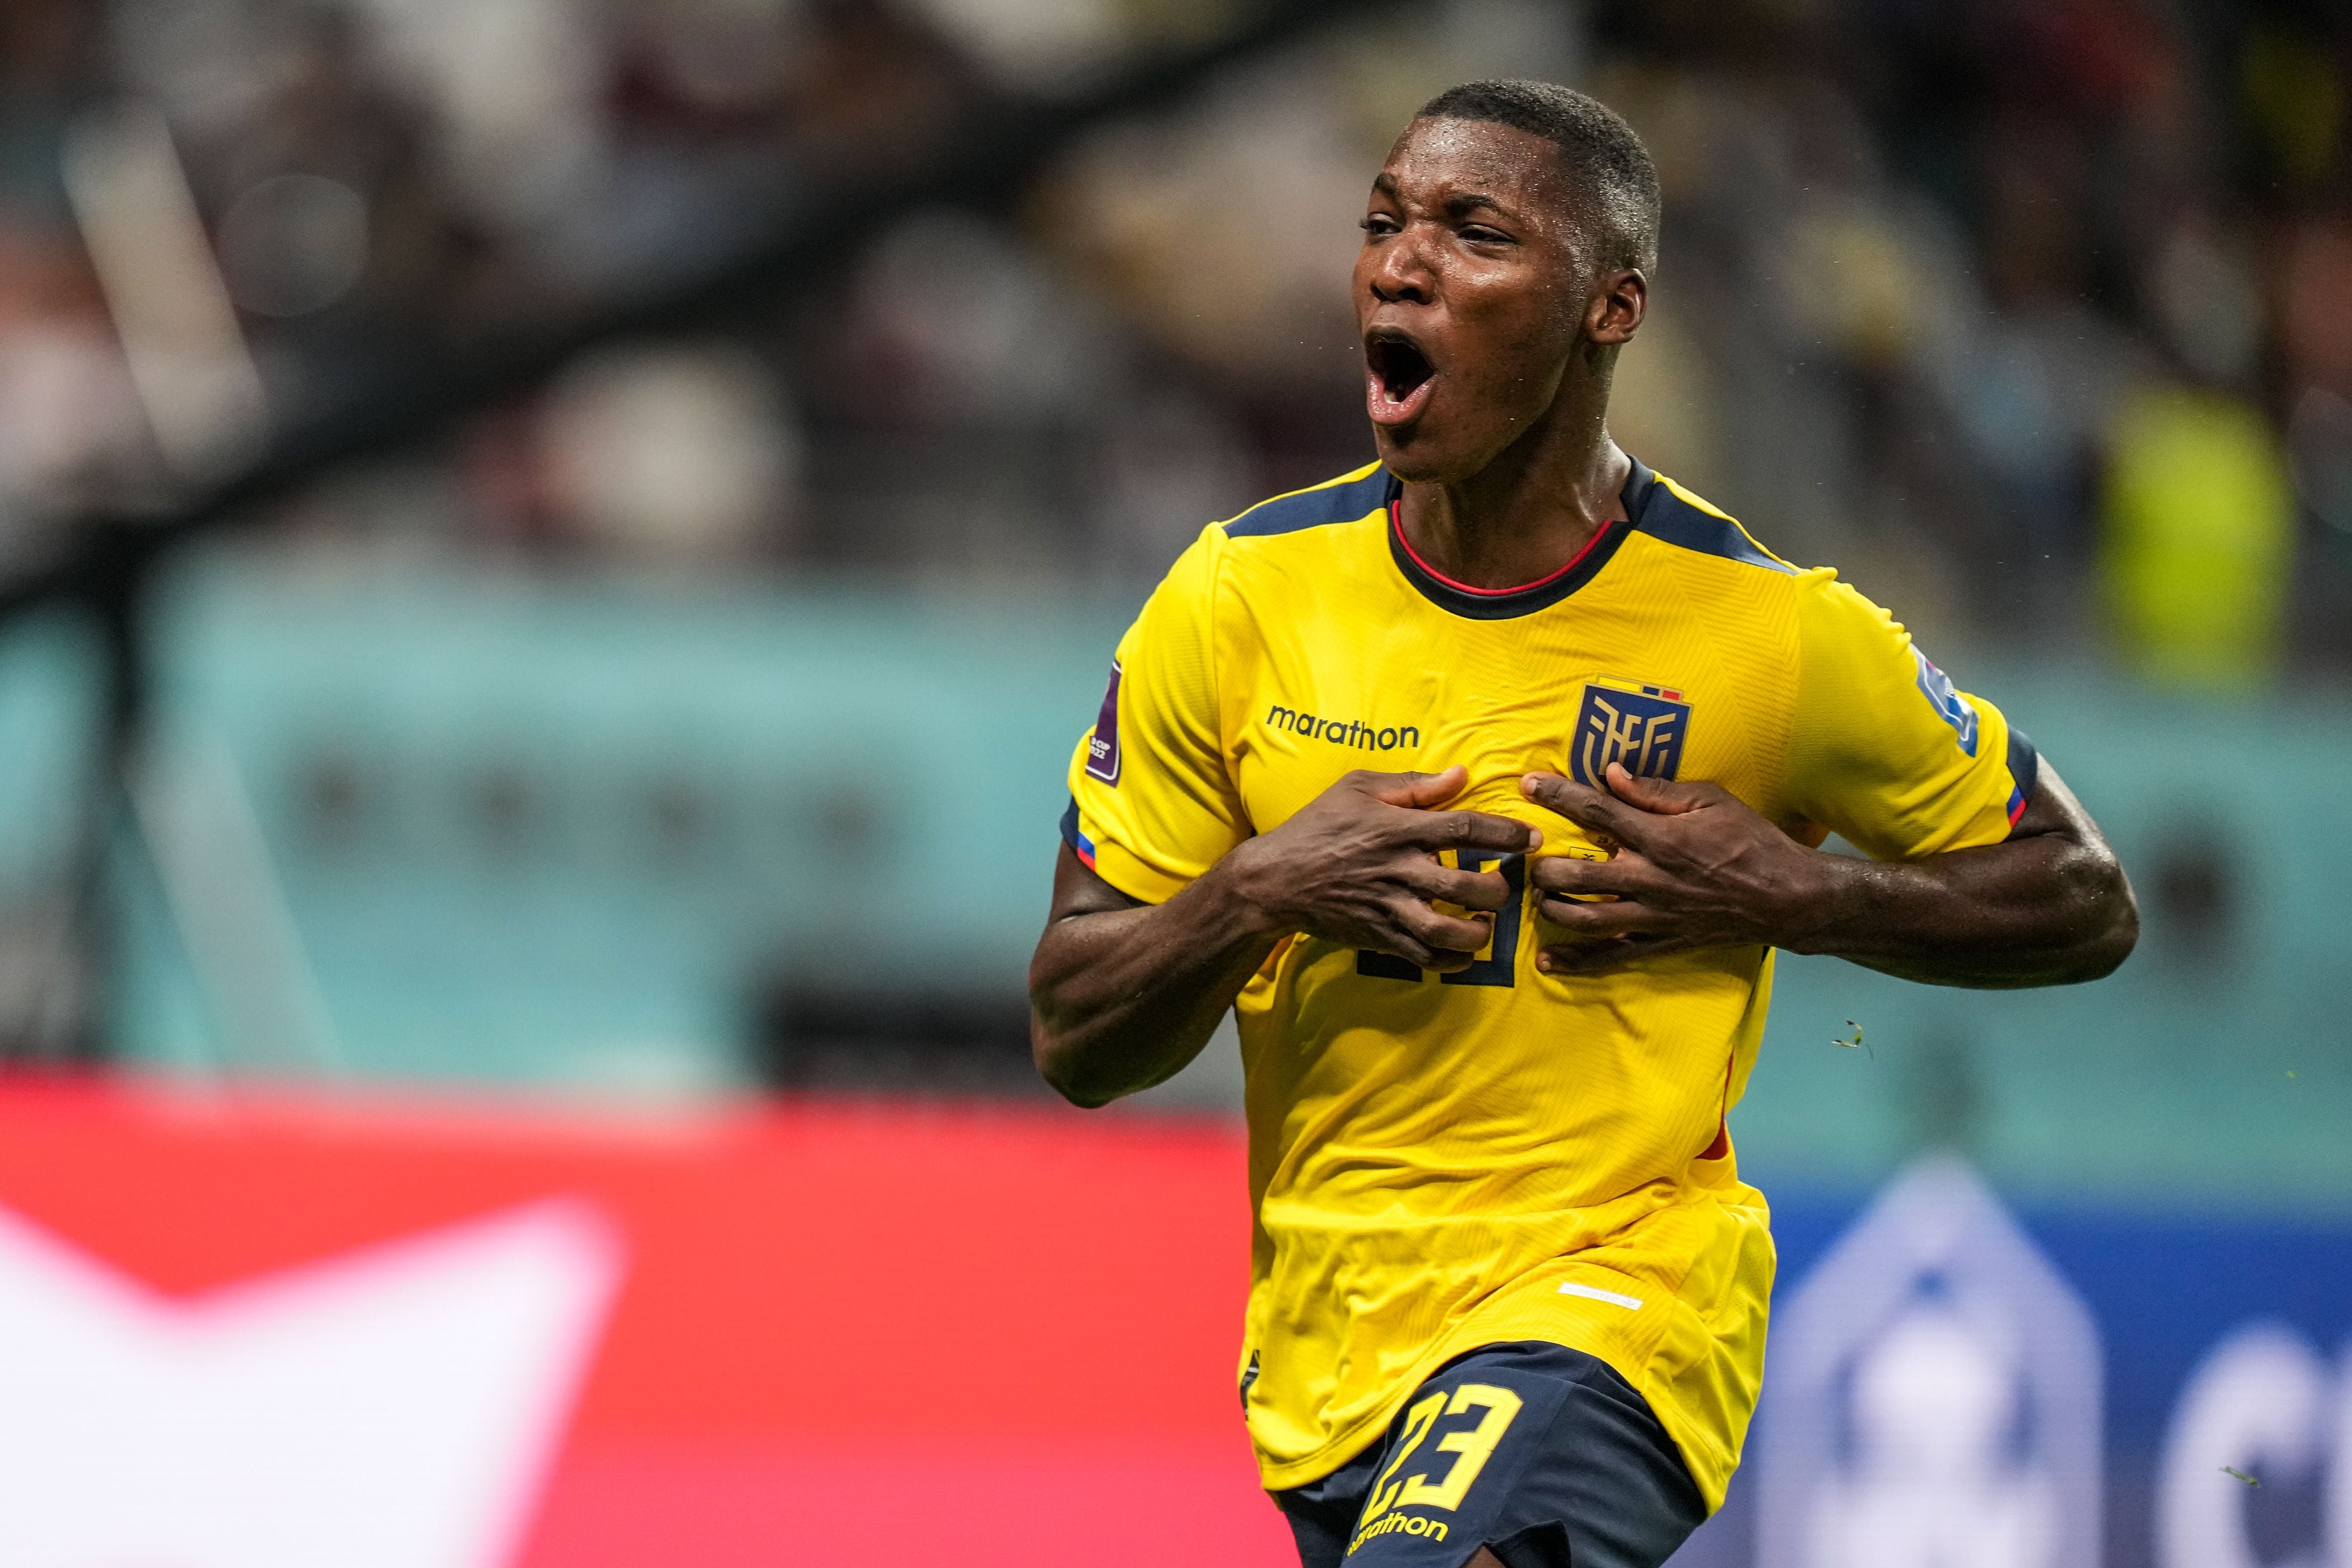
[2024,772]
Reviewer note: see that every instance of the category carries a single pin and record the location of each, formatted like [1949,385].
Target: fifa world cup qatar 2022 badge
[1102,746]
[1626,721]
[1950,707]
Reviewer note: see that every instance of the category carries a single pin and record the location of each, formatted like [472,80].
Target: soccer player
[1481,783]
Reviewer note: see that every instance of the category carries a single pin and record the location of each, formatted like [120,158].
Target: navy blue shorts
[1542,1453]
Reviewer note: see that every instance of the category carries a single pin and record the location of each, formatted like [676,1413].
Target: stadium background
[553,556]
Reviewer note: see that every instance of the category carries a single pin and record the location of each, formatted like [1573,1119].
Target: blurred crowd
[2036,319]
[2052,301]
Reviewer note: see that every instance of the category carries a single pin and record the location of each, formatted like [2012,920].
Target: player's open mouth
[1396,377]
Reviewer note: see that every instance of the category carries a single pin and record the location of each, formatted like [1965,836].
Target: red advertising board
[467,1335]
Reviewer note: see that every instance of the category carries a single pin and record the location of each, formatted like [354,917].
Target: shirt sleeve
[1883,748]
[1152,801]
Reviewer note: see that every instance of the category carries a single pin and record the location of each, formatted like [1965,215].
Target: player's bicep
[1079,890]
[2052,809]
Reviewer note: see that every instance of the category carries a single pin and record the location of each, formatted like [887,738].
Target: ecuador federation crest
[1639,726]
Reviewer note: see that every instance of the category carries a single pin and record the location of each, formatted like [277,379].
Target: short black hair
[1601,150]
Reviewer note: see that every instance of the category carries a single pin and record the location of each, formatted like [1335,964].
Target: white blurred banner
[392,1407]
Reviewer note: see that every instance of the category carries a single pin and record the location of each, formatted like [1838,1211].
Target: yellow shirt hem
[1692,1348]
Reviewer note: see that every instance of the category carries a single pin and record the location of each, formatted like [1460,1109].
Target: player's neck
[1528,512]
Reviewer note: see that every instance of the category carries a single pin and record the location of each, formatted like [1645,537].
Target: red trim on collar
[1396,522]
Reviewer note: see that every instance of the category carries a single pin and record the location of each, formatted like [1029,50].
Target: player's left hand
[1694,867]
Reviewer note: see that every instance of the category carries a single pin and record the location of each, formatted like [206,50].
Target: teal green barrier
[570,834]
[2218,1058]
[536,834]
[49,696]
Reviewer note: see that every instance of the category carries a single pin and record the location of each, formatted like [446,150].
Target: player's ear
[1618,307]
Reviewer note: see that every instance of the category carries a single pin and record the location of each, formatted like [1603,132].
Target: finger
[1467,830]
[1597,957]
[1420,954]
[1443,933]
[1420,791]
[1618,917]
[1470,889]
[1661,797]
[1567,874]
[1396,944]
[1588,808]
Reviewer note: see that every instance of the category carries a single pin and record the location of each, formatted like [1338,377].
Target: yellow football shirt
[1439,1163]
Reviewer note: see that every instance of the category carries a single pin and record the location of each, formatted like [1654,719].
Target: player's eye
[1377,223]
[1481,234]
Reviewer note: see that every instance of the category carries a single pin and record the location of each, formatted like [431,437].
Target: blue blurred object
[2211,1349]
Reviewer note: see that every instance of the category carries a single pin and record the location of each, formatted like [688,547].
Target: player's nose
[1400,272]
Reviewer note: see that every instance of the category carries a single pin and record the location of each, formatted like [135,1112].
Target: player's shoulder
[1352,497]
[1725,565]
[1256,553]
[1665,510]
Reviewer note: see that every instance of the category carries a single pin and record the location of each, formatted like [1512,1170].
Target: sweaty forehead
[1438,159]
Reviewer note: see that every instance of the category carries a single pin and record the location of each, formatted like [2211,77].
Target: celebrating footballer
[1481,784]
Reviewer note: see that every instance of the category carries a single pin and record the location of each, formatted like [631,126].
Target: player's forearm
[1123,998]
[2050,910]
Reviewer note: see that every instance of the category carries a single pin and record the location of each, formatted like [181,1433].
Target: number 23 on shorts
[1472,1447]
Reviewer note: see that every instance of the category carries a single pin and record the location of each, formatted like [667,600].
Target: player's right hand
[1358,866]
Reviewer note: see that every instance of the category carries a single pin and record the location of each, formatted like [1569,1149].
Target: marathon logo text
[1409,1523]
[1342,732]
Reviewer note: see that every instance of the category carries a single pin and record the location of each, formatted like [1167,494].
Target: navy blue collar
[1504,604]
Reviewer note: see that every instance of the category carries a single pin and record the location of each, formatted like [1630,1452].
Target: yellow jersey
[1442,1162]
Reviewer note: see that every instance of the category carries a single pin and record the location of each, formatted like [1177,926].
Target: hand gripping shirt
[1442,1162]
